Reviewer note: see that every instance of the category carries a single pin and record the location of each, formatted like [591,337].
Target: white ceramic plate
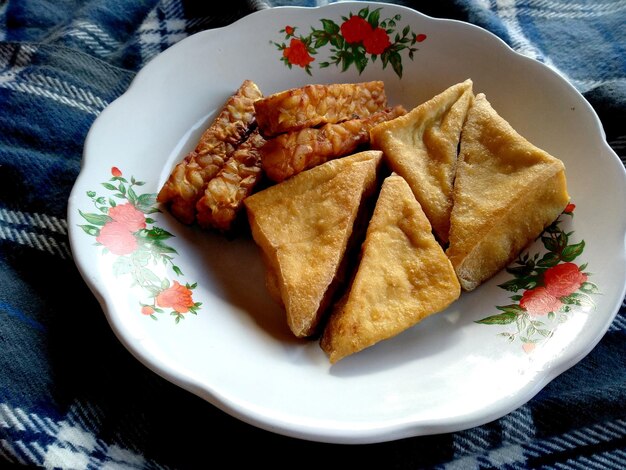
[232,347]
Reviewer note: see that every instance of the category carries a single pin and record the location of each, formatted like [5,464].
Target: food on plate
[422,145]
[313,105]
[188,179]
[403,276]
[288,154]
[485,205]
[506,192]
[223,197]
[304,226]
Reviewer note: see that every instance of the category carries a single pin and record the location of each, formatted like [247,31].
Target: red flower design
[147,310]
[129,216]
[377,41]
[355,29]
[115,171]
[420,37]
[539,301]
[177,297]
[569,208]
[289,30]
[117,238]
[297,53]
[563,279]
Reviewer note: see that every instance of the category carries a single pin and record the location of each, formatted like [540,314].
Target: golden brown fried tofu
[293,152]
[422,146]
[403,276]
[313,105]
[189,177]
[506,192]
[303,227]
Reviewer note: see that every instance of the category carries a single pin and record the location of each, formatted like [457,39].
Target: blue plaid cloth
[72,397]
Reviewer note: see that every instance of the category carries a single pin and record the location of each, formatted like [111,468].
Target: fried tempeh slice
[403,277]
[422,146]
[312,105]
[189,177]
[506,192]
[304,226]
[224,194]
[293,152]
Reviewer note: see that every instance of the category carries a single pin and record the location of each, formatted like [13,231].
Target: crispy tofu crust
[289,154]
[404,276]
[506,192]
[422,146]
[224,194]
[304,227]
[313,105]
[189,177]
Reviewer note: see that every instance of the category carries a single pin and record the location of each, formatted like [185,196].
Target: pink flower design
[539,301]
[127,215]
[177,297]
[117,238]
[563,279]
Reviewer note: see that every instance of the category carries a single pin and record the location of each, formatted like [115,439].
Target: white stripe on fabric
[67,89]
[73,446]
[43,426]
[468,442]
[38,91]
[88,41]
[14,58]
[8,418]
[99,33]
[25,420]
[552,9]
[26,451]
[4,444]
[518,426]
[508,12]
[35,240]
[34,219]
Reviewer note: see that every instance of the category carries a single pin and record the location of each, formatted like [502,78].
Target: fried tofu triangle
[506,192]
[422,146]
[403,276]
[189,178]
[304,227]
[312,105]
[289,154]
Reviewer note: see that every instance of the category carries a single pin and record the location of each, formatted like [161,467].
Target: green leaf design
[549,259]
[500,319]
[95,219]
[152,242]
[571,252]
[578,298]
[90,230]
[374,18]
[122,265]
[330,26]
[589,288]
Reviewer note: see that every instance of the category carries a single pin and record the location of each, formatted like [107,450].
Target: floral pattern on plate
[553,287]
[122,226]
[356,41]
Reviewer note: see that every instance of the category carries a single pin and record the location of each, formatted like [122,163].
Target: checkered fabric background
[72,397]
